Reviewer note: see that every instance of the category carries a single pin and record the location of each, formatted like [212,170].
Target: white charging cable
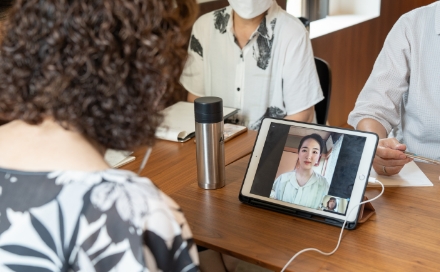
[370,180]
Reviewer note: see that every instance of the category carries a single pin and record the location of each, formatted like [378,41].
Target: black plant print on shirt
[196,46]
[221,19]
[263,50]
[98,221]
[54,256]
[178,252]
[11,183]
[274,112]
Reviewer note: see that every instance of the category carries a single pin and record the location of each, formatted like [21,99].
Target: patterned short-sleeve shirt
[109,220]
[274,74]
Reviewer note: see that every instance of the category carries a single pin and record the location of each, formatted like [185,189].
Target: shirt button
[238,89]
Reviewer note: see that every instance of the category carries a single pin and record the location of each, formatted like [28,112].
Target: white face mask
[249,9]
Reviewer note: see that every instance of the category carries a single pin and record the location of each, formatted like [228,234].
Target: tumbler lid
[208,109]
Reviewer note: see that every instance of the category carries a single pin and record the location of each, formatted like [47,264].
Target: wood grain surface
[173,165]
[404,235]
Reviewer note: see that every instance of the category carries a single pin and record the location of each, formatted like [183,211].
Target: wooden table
[172,165]
[404,235]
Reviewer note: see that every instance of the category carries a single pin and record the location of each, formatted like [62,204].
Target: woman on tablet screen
[303,186]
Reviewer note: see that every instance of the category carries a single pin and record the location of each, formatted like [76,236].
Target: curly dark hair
[104,67]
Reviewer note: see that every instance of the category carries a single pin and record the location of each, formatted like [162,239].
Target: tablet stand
[366,211]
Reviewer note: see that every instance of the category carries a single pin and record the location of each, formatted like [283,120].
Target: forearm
[303,116]
[372,125]
[389,158]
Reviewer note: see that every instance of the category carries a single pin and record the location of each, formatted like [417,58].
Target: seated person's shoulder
[284,175]
[290,26]
[139,218]
[133,201]
[320,177]
[204,19]
[212,20]
[141,185]
[422,11]
[419,15]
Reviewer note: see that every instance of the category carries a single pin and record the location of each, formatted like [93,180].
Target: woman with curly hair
[79,77]
[5,5]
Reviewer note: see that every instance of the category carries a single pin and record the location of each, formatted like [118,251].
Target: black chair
[325,79]
[305,22]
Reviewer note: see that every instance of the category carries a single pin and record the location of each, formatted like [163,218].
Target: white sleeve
[382,95]
[301,88]
[192,77]
[273,192]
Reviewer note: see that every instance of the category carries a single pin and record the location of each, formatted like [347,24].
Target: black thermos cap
[208,109]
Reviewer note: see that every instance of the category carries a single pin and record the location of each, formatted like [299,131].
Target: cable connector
[372,180]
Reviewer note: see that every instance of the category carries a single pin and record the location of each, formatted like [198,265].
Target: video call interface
[308,167]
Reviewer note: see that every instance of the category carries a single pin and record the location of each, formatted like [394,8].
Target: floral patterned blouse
[109,220]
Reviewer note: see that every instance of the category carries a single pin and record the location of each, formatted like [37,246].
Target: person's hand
[390,159]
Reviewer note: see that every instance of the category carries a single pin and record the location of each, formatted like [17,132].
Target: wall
[338,7]
[287,163]
[351,53]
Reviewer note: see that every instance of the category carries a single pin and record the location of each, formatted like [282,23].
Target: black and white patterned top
[108,220]
[274,74]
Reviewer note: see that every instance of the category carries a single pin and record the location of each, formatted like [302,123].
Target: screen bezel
[362,174]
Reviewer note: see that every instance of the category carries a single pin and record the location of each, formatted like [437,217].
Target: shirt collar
[265,29]
[268,23]
[437,19]
[312,180]
[230,26]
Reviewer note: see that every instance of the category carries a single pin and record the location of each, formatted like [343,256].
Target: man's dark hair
[103,68]
[314,136]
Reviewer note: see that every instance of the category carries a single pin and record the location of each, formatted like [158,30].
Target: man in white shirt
[401,99]
[257,58]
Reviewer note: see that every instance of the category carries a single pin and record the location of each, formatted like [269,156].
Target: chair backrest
[325,79]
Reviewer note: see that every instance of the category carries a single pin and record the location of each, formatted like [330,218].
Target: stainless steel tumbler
[209,142]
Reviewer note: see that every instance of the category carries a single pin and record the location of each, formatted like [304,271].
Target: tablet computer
[308,170]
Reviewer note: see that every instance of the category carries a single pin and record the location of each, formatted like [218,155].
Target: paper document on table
[409,176]
[179,123]
[118,158]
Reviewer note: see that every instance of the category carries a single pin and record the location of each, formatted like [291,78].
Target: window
[338,14]
[311,9]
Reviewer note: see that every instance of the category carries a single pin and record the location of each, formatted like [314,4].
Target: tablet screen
[309,166]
